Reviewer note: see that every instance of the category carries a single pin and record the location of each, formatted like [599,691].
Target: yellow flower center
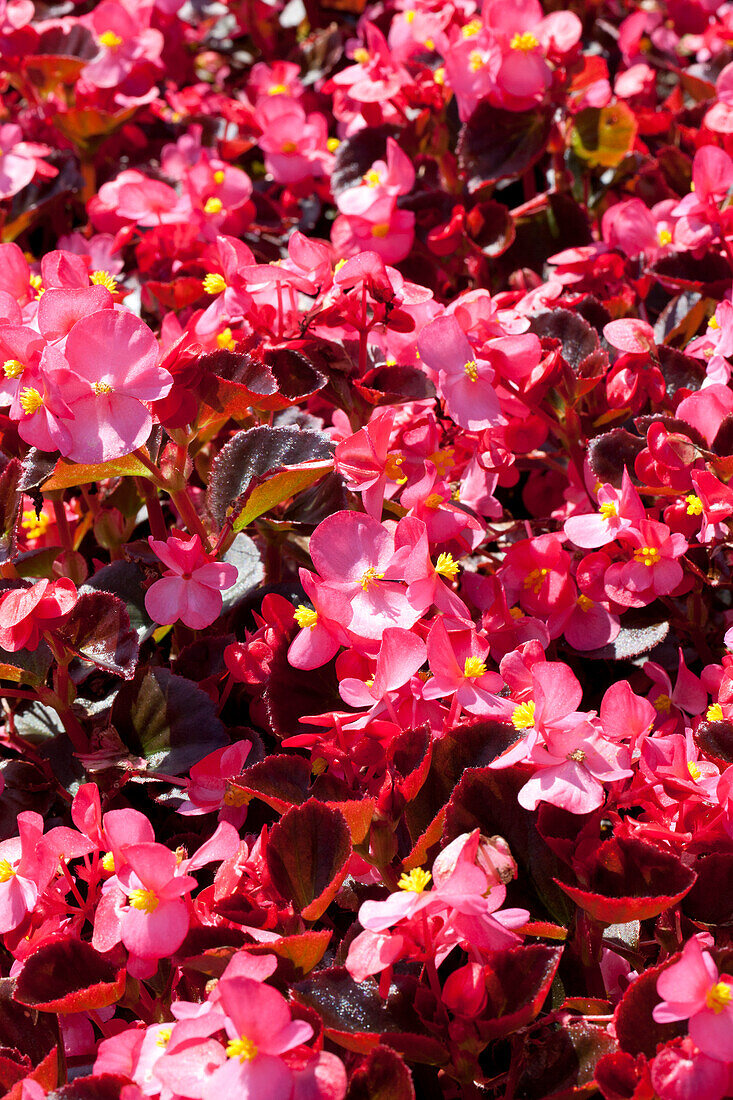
[36,281]
[577,755]
[447,566]
[213,205]
[369,577]
[108,862]
[101,388]
[214,284]
[471,369]
[434,501]
[416,881]
[278,89]
[235,796]
[713,322]
[110,40]
[475,61]
[225,340]
[332,144]
[305,616]
[409,16]
[164,1036]
[584,602]
[439,75]
[524,42]
[103,278]
[523,716]
[535,579]
[663,703]
[392,467]
[147,900]
[361,55]
[471,28]
[608,510]
[714,713]
[372,178]
[694,505]
[647,555]
[516,612]
[34,525]
[219,176]
[694,770]
[6,870]
[473,668]
[30,400]
[381,229]
[719,997]
[429,44]
[13,368]
[242,1048]
[664,236]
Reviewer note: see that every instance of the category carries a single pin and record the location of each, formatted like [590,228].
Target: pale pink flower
[190,588]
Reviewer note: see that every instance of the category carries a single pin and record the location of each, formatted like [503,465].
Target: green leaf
[69,475]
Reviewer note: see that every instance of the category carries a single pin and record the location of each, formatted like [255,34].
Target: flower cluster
[366,549]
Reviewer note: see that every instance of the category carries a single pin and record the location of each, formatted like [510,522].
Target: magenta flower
[260,1029]
[26,868]
[692,989]
[25,613]
[20,160]
[190,588]
[114,356]
[457,662]
[464,380]
[652,570]
[155,920]
[617,512]
[124,41]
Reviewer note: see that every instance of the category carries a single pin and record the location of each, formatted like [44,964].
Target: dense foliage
[366,445]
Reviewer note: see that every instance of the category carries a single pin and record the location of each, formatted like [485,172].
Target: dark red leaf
[497,144]
[382,1076]
[517,983]
[98,630]
[307,855]
[69,976]
[636,1029]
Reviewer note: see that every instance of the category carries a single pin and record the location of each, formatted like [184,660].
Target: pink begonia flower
[715,346]
[653,569]
[586,624]
[635,230]
[353,554]
[25,613]
[210,787]
[464,381]
[383,228]
[457,663]
[20,160]
[630,335]
[190,588]
[707,409]
[400,656]
[322,631]
[228,286]
[617,512]
[572,767]
[713,502]
[698,213]
[26,869]
[20,348]
[536,574]
[375,77]
[295,144]
[427,582]
[688,693]
[720,116]
[680,1071]
[527,38]
[692,989]
[260,1028]
[393,177]
[545,708]
[624,715]
[155,920]
[364,460]
[114,356]
[124,41]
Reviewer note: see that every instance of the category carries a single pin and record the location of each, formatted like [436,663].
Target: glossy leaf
[307,856]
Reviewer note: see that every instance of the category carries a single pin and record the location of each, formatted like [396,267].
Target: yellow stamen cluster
[305,616]
[369,576]
[714,713]
[214,205]
[471,28]
[332,144]
[392,467]
[475,60]
[30,400]
[219,176]
[146,900]
[719,997]
[361,55]
[7,871]
[13,368]
[647,555]
[278,89]
[242,1048]
[416,881]
[471,369]
[584,602]
[664,237]
[523,716]
[663,703]
[535,579]
[214,283]
[108,862]
[235,796]
[164,1036]
[225,340]
[35,526]
[694,770]
[372,178]
[713,322]
[103,278]
[524,42]
[381,229]
[694,505]
[608,510]
[110,40]
[473,668]
[447,566]
[101,388]
[578,755]
[434,501]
